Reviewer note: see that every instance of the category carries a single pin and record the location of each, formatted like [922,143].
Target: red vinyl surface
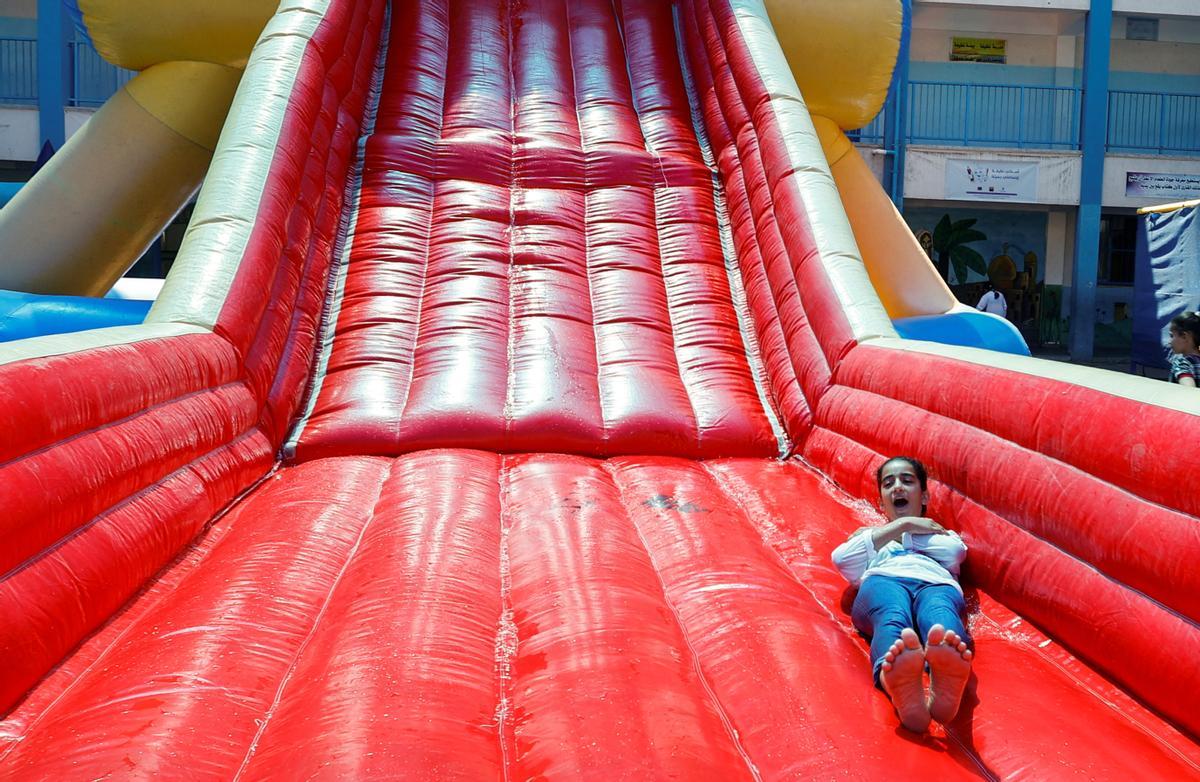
[658,618]
[536,262]
[506,547]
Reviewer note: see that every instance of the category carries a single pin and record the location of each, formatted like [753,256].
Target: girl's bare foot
[903,674]
[949,667]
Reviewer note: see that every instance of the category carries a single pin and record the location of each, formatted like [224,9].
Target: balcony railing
[993,115]
[18,70]
[1042,118]
[92,80]
[1153,122]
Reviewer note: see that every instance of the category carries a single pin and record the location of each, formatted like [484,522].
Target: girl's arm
[852,557]
[945,548]
[1181,371]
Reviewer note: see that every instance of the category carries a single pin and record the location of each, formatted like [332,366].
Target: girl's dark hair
[918,468]
[1188,322]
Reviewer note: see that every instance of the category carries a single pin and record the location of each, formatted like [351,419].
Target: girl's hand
[920,525]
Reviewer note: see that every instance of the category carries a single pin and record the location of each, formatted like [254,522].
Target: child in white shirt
[907,575]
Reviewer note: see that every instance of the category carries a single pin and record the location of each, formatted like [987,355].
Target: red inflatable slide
[518,377]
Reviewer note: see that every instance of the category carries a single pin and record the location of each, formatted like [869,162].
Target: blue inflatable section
[29,315]
[968,328]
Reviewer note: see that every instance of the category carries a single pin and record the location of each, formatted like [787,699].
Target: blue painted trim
[53,72]
[1093,139]
[896,114]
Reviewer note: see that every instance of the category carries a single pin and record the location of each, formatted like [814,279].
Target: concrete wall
[19,130]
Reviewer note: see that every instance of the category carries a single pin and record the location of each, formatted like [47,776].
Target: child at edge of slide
[1185,349]
[906,572]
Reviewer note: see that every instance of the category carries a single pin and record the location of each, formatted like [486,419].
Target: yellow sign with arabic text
[977,50]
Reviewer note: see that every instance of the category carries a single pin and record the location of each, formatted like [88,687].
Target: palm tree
[950,240]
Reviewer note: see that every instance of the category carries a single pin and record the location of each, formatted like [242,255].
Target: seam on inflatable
[794,261]
[773,212]
[282,362]
[728,250]
[851,287]
[122,420]
[1084,686]
[611,471]
[335,288]
[1058,462]
[510,375]
[100,517]
[587,239]
[266,66]
[506,633]
[265,720]
[433,194]
[193,549]
[738,171]
[655,190]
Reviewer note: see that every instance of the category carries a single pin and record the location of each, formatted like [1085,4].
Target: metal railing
[1153,122]
[18,70]
[961,114]
[994,115]
[92,80]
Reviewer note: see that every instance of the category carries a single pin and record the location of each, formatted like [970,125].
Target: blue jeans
[885,605]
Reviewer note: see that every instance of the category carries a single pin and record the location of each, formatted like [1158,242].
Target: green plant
[950,240]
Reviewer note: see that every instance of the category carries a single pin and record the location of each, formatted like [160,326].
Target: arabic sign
[991,180]
[977,50]
[1143,184]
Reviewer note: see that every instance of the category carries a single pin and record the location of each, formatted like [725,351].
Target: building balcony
[1042,118]
[92,80]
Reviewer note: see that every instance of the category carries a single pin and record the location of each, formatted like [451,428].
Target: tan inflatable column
[105,196]
[903,276]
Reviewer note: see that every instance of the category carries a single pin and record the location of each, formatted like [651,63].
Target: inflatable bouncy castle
[524,362]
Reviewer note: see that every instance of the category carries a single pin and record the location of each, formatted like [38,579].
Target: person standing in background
[1185,349]
[993,301]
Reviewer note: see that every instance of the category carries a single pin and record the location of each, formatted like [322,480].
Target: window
[1140,28]
[1118,248]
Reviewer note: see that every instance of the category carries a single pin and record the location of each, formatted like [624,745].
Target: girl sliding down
[907,577]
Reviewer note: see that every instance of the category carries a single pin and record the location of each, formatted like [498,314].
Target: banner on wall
[991,180]
[1145,184]
[977,50]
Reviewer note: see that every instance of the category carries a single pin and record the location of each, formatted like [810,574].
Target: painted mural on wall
[981,245]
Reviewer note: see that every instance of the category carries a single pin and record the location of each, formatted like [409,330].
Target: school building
[1048,122]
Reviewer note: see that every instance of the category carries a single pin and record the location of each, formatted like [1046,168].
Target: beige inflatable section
[901,272]
[92,211]
[104,197]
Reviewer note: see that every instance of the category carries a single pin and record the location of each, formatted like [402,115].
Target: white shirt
[993,302]
[935,558]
